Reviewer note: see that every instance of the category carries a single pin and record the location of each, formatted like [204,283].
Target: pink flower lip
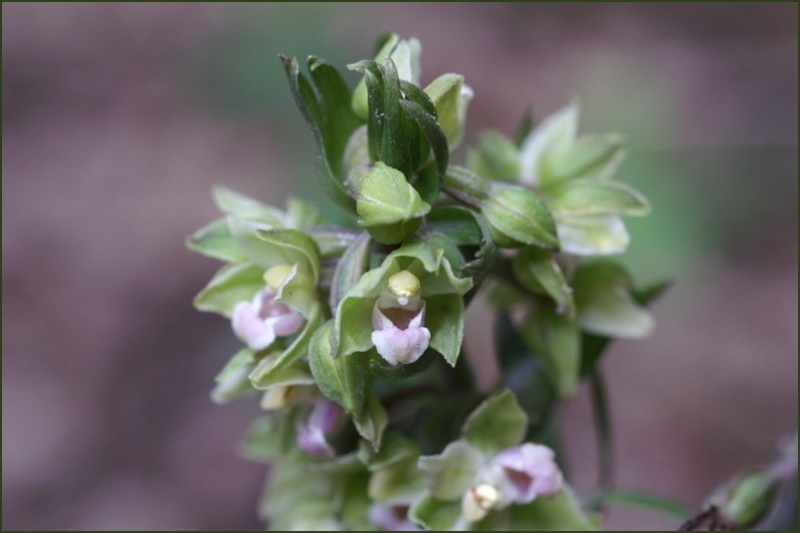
[259,322]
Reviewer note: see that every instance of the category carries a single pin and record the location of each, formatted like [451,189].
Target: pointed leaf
[232,381]
[556,131]
[306,100]
[432,132]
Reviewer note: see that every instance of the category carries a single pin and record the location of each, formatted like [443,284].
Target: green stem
[643,500]
[602,422]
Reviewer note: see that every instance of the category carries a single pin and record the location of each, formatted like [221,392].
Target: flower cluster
[353,335]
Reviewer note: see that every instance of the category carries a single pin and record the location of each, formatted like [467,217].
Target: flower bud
[516,217]
[389,207]
[312,435]
[450,97]
[405,54]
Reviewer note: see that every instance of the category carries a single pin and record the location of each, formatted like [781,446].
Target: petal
[313,442]
[250,328]
[287,324]
[398,346]
[325,415]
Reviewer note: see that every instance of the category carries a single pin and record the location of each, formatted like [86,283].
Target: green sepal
[232,284]
[496,424]
[434,514]
[215,240]
[518,217]
[539,272]
[341,379]
[450,474]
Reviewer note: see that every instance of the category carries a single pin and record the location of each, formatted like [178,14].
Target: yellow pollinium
[486,496]
[276,275]
[404,284]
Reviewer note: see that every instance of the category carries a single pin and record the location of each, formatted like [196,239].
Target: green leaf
[556,340]
[444,317]
[276,362]
[496,424]
[242,206]
[232,284]
[339,378]
[349,269]
[432,132]
[562,512]
[496,158]
[539,272]
[390,208]
[339,120]
[590,157]
[316,115]
[372,419]
[450,474]
[214,240]
[589,197]
[434,514]
[517,217]
[399,140]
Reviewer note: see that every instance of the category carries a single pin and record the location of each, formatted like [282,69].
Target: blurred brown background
[118,119]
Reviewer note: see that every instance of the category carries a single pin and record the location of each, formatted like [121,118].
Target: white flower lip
[259,322]
[400,337]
